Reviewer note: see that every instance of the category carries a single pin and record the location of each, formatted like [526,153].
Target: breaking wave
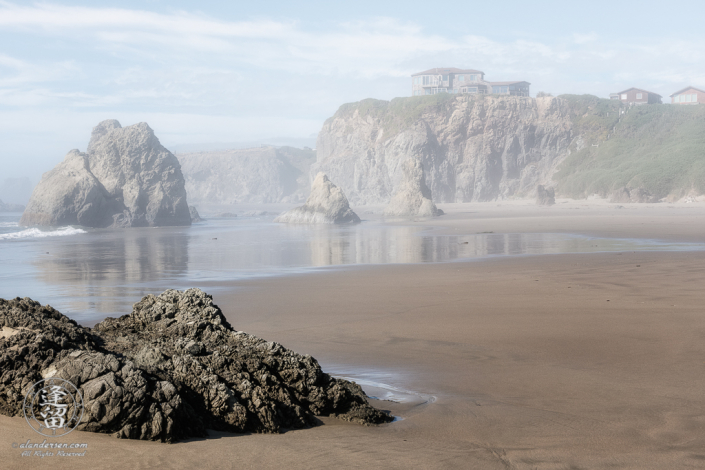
[36,233]
[9,224]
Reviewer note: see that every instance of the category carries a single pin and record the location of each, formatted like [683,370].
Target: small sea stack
[545,196]
[195,216]
[413,198]
[325,205]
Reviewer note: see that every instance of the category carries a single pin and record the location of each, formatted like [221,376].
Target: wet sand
[555,361]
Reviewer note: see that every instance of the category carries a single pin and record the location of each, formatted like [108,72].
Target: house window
[624,96]
[638,96]
[445,78]
[695,98]
[461,78]
[473,78]
[687,98]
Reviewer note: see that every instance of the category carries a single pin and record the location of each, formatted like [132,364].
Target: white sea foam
[36,233]
[9,224]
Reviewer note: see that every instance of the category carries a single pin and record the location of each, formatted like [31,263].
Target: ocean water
[90,274]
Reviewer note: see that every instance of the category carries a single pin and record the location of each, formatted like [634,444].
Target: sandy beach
[570,361]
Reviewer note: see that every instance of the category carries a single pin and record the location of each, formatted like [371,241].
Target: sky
[204,72]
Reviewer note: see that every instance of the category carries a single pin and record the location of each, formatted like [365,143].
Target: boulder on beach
[413,198]
[195,216]
[171,369]
[325,205]
[126,178]
[637,195]
[545,196]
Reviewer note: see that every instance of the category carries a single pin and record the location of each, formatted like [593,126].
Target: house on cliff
[510,88]
[636,96]
[461,81]
[689,95]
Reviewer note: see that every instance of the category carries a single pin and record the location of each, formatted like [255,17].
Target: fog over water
[89,274]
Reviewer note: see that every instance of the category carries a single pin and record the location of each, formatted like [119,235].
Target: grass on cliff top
[657,147]
[400,113]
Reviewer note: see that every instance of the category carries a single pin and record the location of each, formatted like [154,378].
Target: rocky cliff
[256,175]
[473,148]
[126,178]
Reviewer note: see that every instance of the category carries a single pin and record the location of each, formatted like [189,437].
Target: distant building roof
[507,83]
[441,71]
[639,89]
[686,88]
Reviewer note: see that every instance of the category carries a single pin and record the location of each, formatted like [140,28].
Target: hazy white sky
[208,72]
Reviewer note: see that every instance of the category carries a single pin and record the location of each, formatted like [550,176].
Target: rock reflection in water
[101,273]
[105,272]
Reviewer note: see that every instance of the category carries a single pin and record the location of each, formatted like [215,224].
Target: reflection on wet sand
[101,273]
[106,272]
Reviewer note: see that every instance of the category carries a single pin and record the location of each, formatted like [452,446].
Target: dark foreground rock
[170,370]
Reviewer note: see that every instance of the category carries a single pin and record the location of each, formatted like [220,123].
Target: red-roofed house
[690,95]
[636,96]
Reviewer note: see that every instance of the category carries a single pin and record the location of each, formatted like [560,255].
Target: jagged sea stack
[326,205]
[413,198]
[126,178]
[195,216]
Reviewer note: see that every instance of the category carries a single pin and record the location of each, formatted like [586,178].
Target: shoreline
[591,360]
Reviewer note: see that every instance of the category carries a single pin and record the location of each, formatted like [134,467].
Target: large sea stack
[326,205]
[413,198]
[126,178]
[171,369]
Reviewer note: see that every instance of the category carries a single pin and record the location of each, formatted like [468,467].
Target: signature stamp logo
[53,407]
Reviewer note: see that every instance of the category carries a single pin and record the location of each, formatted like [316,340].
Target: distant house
[688,95]
[510,88]
[447,80]
[636,96]
[460,81]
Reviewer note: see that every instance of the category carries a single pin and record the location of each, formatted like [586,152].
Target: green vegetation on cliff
[399,113]
[660,148]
